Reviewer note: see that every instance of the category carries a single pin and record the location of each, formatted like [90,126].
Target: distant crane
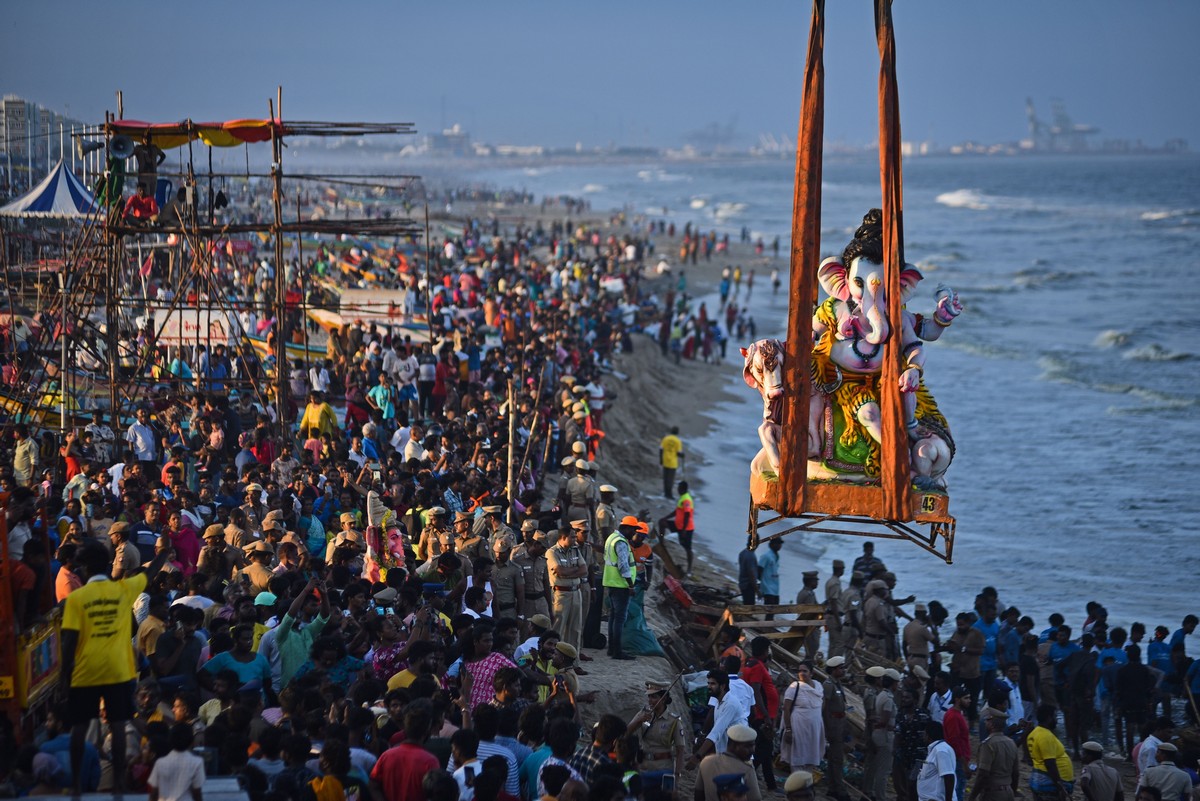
[1064,135]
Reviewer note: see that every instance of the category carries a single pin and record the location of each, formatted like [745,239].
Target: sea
[1071,381]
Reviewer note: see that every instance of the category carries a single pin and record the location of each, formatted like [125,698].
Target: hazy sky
[637,72]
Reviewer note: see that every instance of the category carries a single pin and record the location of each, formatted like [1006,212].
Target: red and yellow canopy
[168,135]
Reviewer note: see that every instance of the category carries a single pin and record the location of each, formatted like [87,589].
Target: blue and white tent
[60,195]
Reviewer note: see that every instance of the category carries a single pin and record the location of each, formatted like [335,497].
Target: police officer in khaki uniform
[833,608]
[852,612]
[999,772]
[606,518]
[567,568]
[870,691]
[496,527]
[589,604]
[663,741]
[508,582]
[580,496]
[808,597]
[435,536]
[876,616]
[466,542]
[531,558]
[883,724]
[833,713]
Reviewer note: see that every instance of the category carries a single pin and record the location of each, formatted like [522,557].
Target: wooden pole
[895,465]
[281,365]
[512,446]
[805,255]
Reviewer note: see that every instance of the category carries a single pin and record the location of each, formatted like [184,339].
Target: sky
[623,71]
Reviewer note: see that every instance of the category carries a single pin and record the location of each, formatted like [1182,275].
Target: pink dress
[482,673]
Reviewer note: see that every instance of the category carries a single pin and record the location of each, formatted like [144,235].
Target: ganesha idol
[849,332]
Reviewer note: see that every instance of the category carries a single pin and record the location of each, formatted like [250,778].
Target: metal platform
[766,525]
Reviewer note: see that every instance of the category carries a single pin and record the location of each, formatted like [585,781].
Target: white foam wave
[1112,338]
[964,199]
[725,211]
[591,189]
[1168,214]
[661,176]
[1063,371]
[1156,353]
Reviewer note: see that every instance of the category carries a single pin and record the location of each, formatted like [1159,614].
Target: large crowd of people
[388,587]
[990,674]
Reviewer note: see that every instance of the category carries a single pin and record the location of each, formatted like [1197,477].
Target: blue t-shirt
[530,768]
[1117,654]
[1158,655]
[1008,646]
[257,669]
[1177,638]
[987,660]
[89,771]
[768,563]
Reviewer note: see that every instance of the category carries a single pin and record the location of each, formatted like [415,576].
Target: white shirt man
[140,437]
[1148,755]
[1016,706]
[728,713]
[938,704]
[318,378]
[939,763]
[400,438]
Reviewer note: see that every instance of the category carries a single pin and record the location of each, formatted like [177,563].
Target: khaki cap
[741,733]
[800,780]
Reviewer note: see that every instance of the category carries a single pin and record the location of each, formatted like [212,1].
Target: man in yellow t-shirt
[670,451]
[1053,774]
[97,651]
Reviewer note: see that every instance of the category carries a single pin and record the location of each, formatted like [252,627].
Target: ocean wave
[661,176]
[985,349]
[591,189]
[964,199]
[1035,278]
[1168,214]
[991,289]
[725,211]
[1156,353]
[1064,371]
[1112,338]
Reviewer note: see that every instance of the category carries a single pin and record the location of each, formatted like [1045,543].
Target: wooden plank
[712,638]
[778,624]
[776,609]
[660,547]
[711,611]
